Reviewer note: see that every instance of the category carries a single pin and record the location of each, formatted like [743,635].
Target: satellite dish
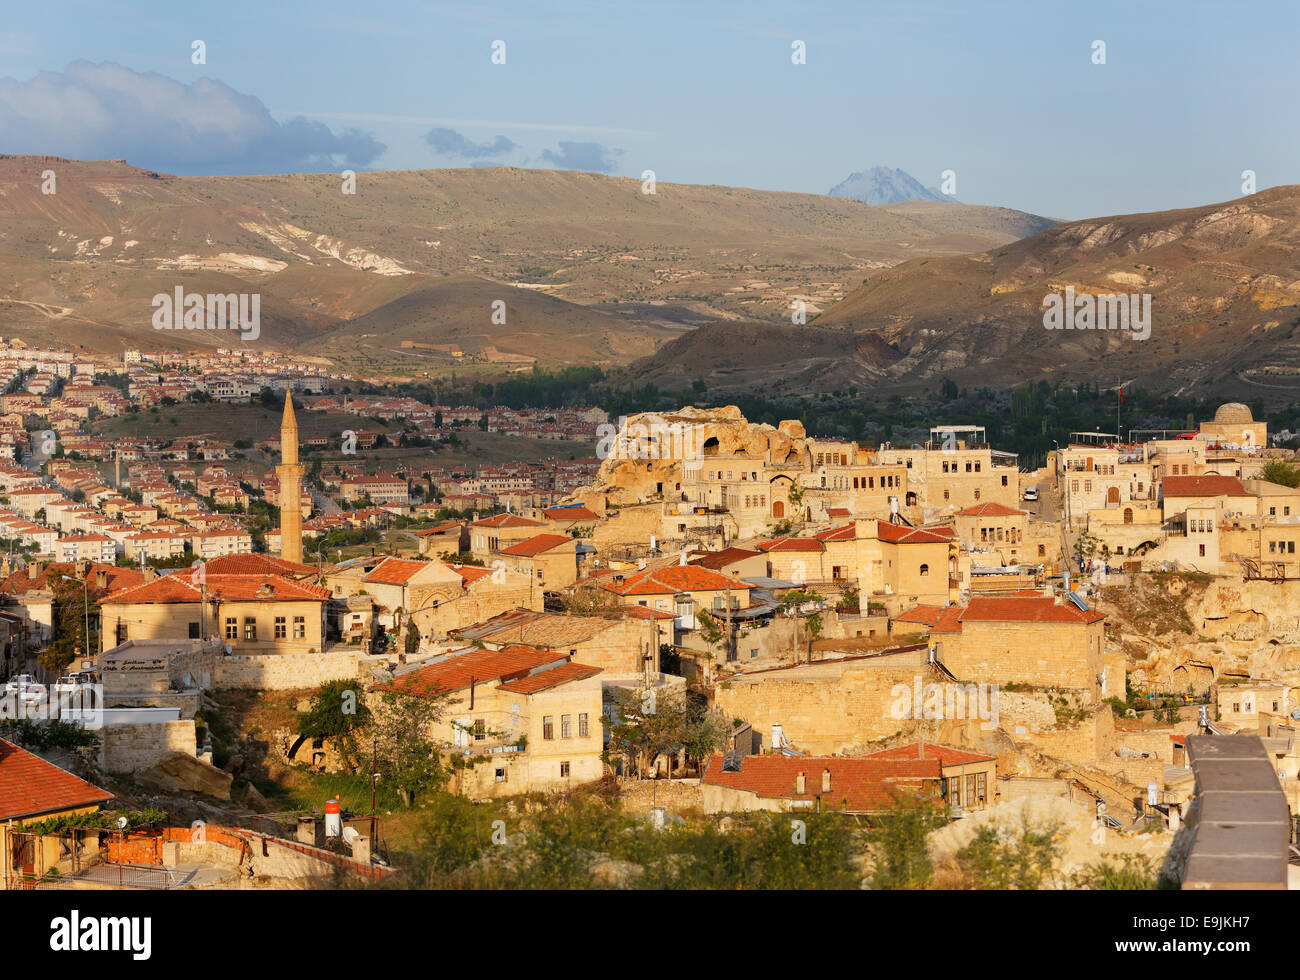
[1296,714]
[121,823]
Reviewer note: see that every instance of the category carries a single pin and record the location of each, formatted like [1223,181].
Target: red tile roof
[32,787]
[845,532]
[1026,609]
[248,564]
[856,785]
[507,520]
[440,529]
[179,587]
[470,573]
[949,620]
[674,579]
[1203,486]
[792,544]
[645,612]
[575,513]
[396,571]
[530,547]
[902,534]
[478,666]
[989,510]
[715,560]
[925,614]
[554,677]
[837,512]
[946,755]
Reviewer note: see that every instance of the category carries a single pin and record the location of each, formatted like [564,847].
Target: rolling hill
[1224,282]
[591,269]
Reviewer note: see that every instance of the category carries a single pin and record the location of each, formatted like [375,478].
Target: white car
[1031,493]
[26,689]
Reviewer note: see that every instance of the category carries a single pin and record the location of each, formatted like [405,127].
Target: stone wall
[130,748]
[1039,654]
[1086,742]
[827,706]
[285,672]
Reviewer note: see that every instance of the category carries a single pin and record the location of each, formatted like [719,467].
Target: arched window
[925,570]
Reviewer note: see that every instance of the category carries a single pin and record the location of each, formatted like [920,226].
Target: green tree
[644,725]
[337,710]
[899,848]
[1023,862]
[408,756]
[1282,473]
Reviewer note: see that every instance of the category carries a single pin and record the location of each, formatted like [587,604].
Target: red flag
[1121,394]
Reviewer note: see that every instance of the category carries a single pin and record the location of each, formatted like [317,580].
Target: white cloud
[107,111]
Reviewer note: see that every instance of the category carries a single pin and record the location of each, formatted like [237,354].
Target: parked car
[1031,493]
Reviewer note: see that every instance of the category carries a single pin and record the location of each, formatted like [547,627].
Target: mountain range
[492,269]
[885,185]
[1223,282]
[590,269]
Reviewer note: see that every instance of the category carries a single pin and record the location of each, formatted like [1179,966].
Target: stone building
[518,720]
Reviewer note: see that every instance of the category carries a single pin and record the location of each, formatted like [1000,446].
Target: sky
[1007,95]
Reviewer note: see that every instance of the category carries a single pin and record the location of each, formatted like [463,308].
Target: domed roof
[1233,413]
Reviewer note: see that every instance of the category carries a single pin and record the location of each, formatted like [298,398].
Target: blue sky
[1003,93]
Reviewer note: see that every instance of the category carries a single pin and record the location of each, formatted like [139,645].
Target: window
[954,791]
[480,730]
[583,728]
[566,726]
[232,628]
[281,628]
[194,631]
[250,628]
[564,770]
[300,627]
[1004,481]
[925,570]
[548,727]
[121,633]
[753,653]
[500,774]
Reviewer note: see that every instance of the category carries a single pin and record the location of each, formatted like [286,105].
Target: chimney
[101,578]
[800,785]
[826,780]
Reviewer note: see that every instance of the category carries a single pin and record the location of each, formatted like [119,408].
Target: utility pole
[374,760]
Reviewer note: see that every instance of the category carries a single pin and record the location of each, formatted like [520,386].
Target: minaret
[289,473]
